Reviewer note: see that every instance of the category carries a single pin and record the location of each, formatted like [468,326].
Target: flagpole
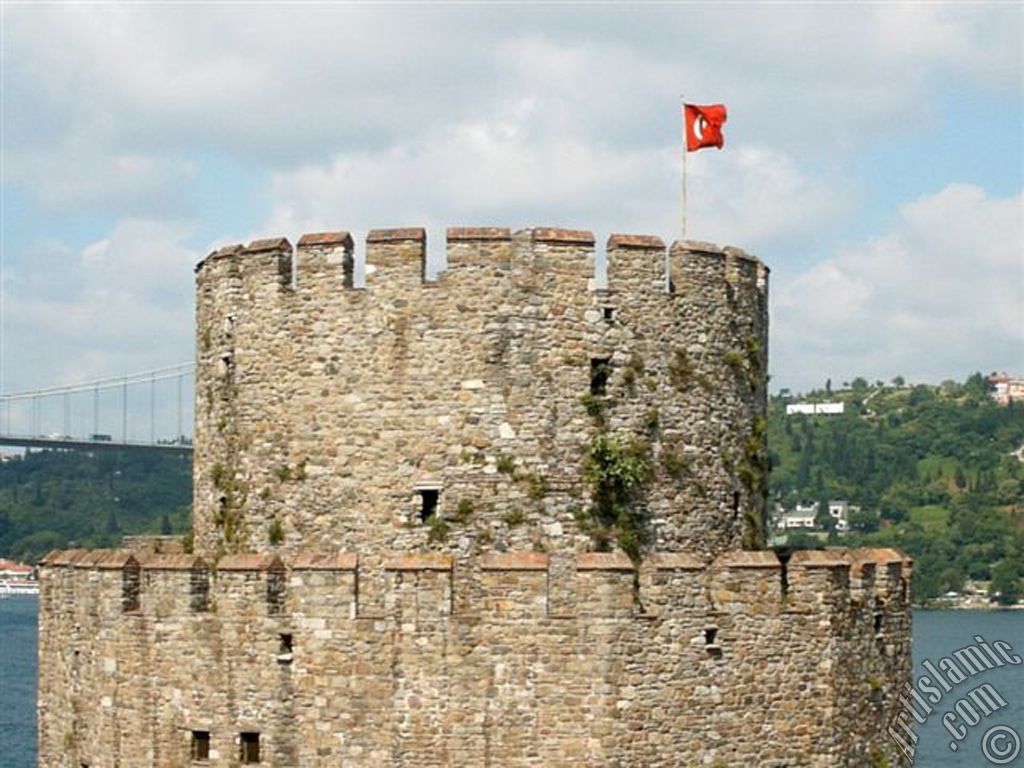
[682,191]
[682,201]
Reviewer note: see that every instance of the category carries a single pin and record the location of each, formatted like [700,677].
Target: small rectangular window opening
[428,502]
[609,313]
[200,745]
[709,635]
[286,643]
[600,369]
[878,624]
[249,748]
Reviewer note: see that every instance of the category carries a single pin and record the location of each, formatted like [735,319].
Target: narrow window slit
[249,748]
[131,585]
[275,591]
[200,745]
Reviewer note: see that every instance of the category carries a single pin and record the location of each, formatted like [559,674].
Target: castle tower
[459,414]
[509,517]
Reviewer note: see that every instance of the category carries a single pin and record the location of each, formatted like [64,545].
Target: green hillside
[934,469]
[50,499]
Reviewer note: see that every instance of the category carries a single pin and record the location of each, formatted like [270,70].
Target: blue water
[936,634]
[18,681]
[939,633]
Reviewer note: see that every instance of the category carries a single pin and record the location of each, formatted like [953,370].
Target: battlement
[327,260]
[744,659]
[598,584]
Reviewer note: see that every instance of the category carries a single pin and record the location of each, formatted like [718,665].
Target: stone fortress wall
[399,558]
[744,661]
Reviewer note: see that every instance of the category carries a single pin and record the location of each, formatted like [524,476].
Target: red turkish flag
[704,126]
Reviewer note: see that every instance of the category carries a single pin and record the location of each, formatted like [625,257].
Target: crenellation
[635,265]
[396,259]
[746,584]
[818,581]
[324,263]
[741,579]
[265,270]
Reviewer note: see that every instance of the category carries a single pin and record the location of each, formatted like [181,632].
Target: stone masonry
[508,517]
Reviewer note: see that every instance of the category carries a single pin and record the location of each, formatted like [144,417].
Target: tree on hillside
[1006,585]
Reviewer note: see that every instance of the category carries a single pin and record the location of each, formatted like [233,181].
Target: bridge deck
[23,441]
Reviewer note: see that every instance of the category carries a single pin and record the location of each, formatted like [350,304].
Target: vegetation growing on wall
[616,471]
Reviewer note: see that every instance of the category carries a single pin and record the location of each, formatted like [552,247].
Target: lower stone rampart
[560,660]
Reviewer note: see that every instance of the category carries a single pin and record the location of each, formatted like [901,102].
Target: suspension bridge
[147,410]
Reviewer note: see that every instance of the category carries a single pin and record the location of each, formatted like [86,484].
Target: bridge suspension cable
[110,382]
[28,405]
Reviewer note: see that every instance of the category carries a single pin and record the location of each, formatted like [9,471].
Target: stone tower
[507,517]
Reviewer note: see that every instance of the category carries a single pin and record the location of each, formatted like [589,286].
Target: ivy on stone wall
[616,472]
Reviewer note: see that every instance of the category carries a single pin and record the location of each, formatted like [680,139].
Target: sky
[874,159]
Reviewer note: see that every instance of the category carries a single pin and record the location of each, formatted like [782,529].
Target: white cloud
[122,303]
[366,116]
[939,296]
[84,180]
[278,87]
[501,172]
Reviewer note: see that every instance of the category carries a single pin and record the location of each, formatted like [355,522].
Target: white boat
[10,587]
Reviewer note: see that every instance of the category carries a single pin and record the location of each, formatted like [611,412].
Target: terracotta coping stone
[269,244]
[397,235]
[747,559]
[880,555]
[175,562]
[89,558]
[220,253]
[339,237]
[114,559]
[474,234]
[603,561]
[675,561]
[562,236]
[514,561]
[650,242]
[419,561]
[810,558]
[248,561]
[696,246]
[74,556]
[50,558]
[325,561]
[62,557]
